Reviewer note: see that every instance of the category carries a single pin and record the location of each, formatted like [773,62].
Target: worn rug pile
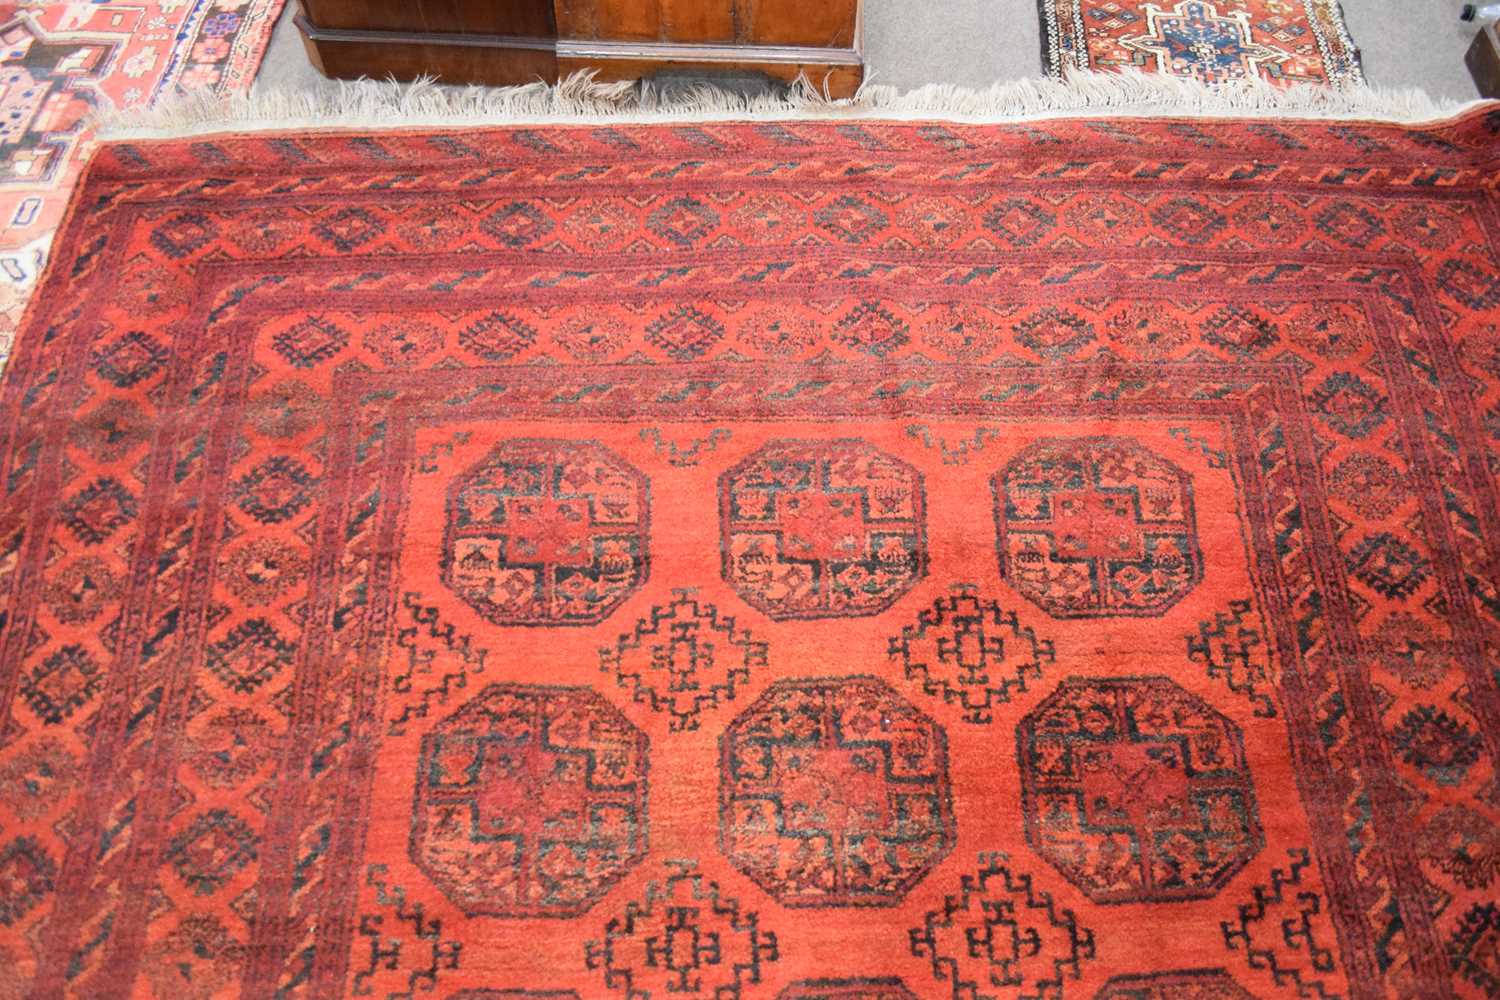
[777,559]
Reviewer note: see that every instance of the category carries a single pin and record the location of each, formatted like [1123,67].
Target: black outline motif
[1297,932]
[426,623]
[660,917]
[443,955]
[657,678]
[960,453]
[1232,648]
[685,457]
[1007,909]
[961,673]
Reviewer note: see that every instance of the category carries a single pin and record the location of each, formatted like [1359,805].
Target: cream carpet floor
[909,43]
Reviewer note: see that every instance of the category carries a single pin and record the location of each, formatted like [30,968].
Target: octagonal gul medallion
[883,988]
[1096,527]
[834,792]
[530,801]
[546,532]
[1187,984]
[1136,790]
[822,529]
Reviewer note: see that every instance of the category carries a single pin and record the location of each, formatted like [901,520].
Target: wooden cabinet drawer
[517,41]
[533,18]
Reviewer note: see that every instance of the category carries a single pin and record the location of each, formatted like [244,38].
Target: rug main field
[786,560]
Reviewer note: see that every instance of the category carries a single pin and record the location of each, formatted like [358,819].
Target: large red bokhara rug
[788,560]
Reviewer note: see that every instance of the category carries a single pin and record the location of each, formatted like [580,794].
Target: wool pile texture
[796,559]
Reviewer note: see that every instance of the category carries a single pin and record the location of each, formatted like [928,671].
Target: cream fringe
[579,99]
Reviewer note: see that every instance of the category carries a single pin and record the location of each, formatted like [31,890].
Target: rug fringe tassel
[580,99]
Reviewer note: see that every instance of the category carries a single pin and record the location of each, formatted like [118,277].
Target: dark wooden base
[498,60]
[1483,60]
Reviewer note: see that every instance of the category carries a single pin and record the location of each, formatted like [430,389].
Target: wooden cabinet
[518,41]
[1483,58]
